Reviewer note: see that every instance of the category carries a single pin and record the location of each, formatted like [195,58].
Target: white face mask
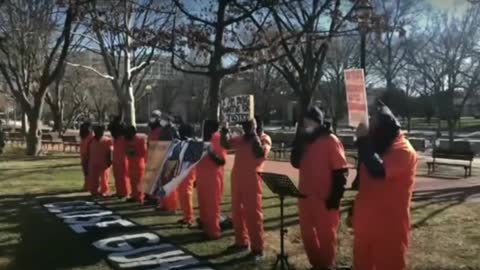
[309,130]
[163,123]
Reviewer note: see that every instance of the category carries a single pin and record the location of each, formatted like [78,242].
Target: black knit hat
[314,113]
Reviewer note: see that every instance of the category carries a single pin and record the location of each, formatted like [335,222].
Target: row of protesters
[251,151]
[382,207]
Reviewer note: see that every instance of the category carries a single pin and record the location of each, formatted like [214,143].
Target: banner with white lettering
[237,109]
[356,97]
[126,245]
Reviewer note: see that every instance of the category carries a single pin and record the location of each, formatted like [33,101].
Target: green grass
[466,124]
[446,232]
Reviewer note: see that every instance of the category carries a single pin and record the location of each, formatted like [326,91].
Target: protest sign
[237,109]
[157,150]
[181,158]
[356,97]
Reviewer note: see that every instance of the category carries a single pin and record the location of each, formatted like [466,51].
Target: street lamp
[364,13]
[148,91]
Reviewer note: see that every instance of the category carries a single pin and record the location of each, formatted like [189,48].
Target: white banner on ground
[237,109]
[356,97]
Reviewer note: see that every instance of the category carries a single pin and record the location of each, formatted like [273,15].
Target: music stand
[282,186]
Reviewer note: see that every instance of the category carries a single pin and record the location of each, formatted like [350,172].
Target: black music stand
[282,186]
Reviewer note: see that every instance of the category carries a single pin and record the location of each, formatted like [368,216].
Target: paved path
[469,187]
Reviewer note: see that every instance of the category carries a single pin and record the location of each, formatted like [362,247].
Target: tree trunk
[305,102]
[129,107]
[213,112]
[34,143]
[57,113]
[24,123]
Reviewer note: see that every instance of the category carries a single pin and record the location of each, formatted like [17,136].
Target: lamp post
[148,90]
[364,12]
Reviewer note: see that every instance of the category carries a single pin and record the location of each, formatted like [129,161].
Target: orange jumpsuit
[120,168]
[247,192]
[318,225]
[382,211]
[210,189]
[136,150]
[185,192]
[84,145]
[99,166]
[168,203]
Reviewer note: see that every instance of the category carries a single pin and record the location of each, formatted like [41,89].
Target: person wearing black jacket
[320,158]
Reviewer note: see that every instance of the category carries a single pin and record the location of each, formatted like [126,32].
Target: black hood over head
[85,129]
[260,124]
[99,131]
[116,127]
[186,131]
[316,114]
[385,128]
[130,132]
[209,127]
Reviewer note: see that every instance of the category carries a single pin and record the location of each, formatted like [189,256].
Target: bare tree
[342,55]
[127,35]
[449,62]
[35,36]
[218,39]
[306,29]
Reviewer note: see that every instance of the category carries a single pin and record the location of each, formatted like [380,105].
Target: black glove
[338,188]
[257,147]
[216,158]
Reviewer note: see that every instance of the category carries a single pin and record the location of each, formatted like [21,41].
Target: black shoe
[237,248]
[131,200]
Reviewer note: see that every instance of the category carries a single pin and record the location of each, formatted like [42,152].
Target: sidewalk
[422,183]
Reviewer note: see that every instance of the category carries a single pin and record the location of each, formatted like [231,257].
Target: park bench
[51,140]
[460,151]
[418,144]
[15,138]
[71,142]
[281,149]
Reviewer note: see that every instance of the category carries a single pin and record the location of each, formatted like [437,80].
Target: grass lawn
[446,232]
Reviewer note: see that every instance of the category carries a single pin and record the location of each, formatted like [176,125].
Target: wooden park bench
[15,138]
[71,142]
[51,140]
[281,149]
[459,152]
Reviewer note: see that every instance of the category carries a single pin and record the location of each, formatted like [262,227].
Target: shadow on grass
[449,196]
[25,172]
[44,242]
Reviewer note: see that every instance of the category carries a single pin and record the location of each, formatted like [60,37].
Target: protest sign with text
[238,109]
[356,97]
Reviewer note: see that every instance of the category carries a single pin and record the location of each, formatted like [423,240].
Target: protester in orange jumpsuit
[100,160]
[168,204]
[382,208]
[210,173]
[86,136]
[136,150]
[251,151]
[320,157]
[185,190]
[153,135]
[120,162]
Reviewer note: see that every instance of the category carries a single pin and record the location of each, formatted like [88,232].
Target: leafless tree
[35,37]
[218,39]
[306,30]
[128,35]
[449,62]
